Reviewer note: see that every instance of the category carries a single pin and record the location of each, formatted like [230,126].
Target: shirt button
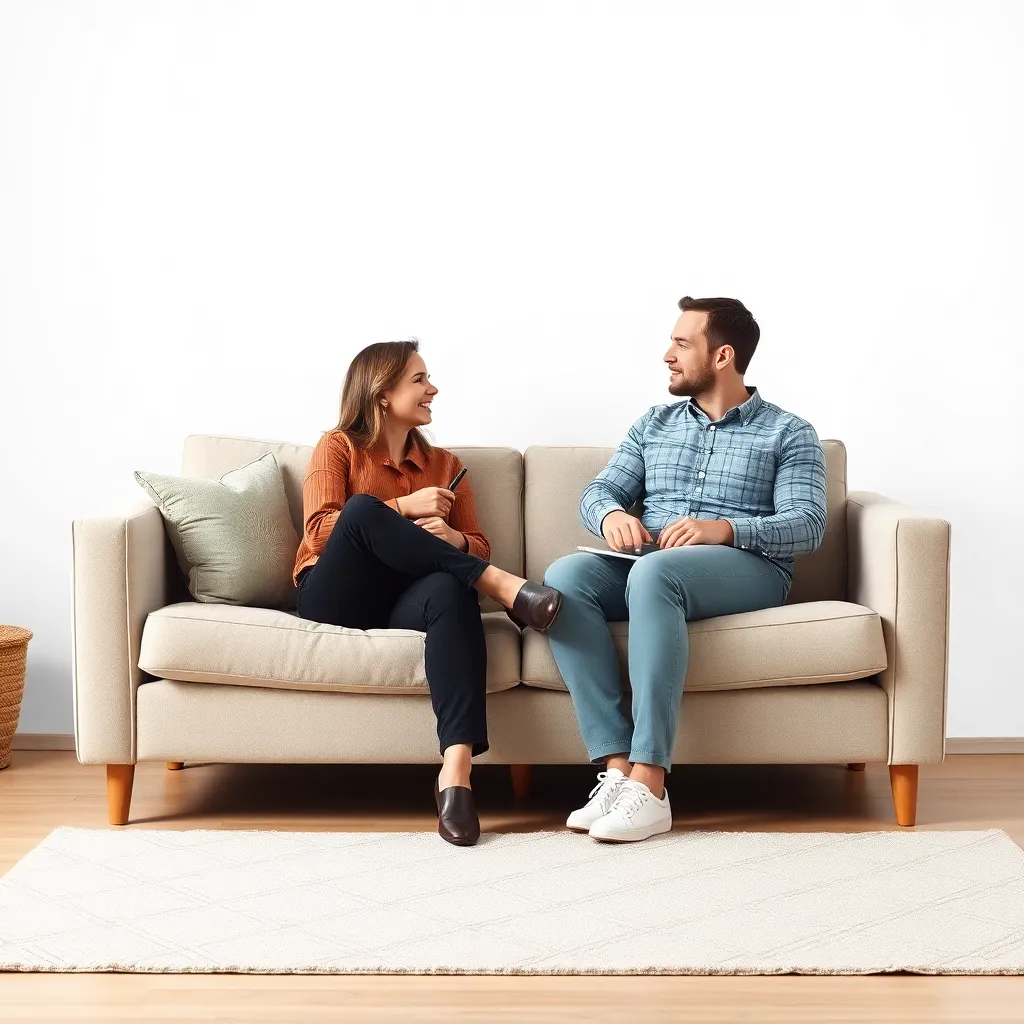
[712,427]
[701,474]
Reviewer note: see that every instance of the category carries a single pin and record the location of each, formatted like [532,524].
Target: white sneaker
[636,814]
[602,796]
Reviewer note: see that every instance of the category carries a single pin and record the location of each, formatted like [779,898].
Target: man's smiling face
[691,368]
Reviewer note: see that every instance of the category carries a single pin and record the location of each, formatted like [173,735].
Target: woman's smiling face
[409,400]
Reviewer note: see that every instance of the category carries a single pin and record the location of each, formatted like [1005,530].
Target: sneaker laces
[609,785]
[630,798]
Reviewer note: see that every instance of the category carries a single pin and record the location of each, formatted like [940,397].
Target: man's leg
[593,594]
[666,590]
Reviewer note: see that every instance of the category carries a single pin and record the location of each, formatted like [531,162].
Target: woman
[387,545]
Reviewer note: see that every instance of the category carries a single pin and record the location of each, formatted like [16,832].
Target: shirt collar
[416,455]
[746,412]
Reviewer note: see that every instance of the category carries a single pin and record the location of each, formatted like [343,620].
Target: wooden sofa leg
[856,766]
[175,766]
[119,792]
[520,779]
[903,778]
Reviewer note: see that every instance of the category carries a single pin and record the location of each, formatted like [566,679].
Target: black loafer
[457,820]
[535,606]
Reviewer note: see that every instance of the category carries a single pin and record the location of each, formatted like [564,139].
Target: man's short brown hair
[729,323]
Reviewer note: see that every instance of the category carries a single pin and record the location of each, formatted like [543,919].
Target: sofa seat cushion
[217,643]
[797,644]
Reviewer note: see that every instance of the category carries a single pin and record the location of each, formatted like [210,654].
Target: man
[733,491]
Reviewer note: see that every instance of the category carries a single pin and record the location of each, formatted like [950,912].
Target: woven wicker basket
[13,650]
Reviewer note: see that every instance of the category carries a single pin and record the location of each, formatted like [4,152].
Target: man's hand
[439,528]
[624,532]
[695,531]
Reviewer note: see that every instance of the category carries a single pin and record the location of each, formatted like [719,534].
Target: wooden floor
[45,789]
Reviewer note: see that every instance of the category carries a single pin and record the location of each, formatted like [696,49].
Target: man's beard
[703,382]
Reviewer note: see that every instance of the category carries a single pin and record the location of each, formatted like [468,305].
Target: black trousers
[378,570]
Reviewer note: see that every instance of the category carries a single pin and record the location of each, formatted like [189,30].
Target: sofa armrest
[119,577]
[899,566]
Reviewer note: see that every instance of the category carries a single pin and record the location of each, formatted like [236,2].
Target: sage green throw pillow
[233,537]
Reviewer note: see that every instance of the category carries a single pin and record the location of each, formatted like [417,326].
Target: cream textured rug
[524,903]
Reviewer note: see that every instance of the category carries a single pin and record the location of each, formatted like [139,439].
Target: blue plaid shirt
[759,468]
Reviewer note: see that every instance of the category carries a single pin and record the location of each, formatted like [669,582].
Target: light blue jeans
[658,594]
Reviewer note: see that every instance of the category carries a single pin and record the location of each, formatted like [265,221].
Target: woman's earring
[384,406]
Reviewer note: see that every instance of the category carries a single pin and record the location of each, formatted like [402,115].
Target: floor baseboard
[42,741]
[963,745]
[986,745]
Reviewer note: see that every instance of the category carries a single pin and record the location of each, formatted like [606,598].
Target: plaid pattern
[759,468]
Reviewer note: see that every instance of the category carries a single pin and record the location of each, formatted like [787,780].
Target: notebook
[646,549]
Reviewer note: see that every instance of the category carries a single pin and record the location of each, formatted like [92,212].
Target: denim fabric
[658,593]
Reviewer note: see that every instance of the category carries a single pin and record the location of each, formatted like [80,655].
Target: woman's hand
[427,503]
[439,528]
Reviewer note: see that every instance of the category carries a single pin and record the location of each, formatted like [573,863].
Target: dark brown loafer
[457,820]
[535,606]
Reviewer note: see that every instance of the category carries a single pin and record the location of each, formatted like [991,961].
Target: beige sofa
[852,669]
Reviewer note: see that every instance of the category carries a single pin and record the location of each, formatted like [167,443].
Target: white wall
[206,209]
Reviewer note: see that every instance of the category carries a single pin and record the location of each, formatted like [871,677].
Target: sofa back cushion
[496,475]
[556,476]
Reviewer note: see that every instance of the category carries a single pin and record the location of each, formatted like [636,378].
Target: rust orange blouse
[339,469]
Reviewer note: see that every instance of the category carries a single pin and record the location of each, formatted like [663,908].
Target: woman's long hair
[376,369]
